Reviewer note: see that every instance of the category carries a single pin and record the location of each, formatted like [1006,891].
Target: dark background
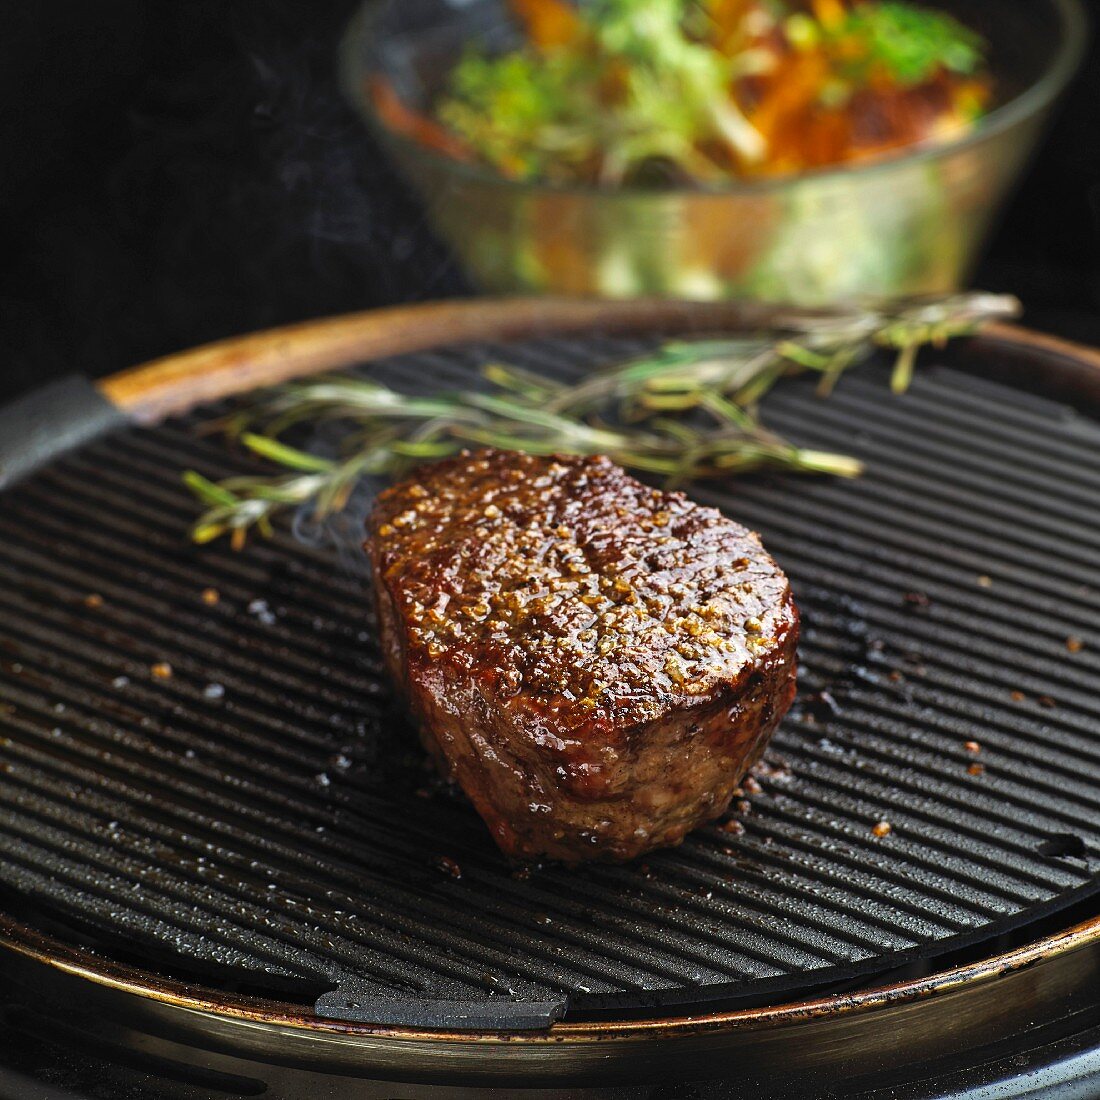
[177,172]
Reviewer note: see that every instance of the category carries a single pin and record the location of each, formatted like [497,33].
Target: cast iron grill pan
[263,818]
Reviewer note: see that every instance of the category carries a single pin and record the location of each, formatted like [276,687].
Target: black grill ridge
[288,828]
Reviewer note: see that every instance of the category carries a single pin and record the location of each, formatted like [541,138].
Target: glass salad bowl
[911,222]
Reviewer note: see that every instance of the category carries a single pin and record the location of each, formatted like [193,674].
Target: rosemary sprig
[688,410]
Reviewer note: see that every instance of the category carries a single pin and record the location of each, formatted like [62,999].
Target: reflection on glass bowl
[909,223]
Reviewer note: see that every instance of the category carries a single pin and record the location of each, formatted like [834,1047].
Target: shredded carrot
[829,13]
[781,114]
[401,118]
[728,17]
[550,24]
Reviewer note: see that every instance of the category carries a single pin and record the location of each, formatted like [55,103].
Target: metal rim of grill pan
[953,1009]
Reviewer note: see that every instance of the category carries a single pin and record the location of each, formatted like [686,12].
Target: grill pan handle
[50,421]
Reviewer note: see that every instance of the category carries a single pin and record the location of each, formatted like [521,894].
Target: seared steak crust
[596,662]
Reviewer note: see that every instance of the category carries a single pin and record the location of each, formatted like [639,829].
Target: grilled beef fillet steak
[596,662]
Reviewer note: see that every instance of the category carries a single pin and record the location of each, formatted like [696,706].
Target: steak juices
[597,663]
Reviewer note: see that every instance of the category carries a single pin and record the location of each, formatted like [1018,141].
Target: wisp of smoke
[344,532]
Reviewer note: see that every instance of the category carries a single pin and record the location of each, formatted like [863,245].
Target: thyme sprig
[688,410]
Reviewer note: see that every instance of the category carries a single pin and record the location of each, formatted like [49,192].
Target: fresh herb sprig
[688,410]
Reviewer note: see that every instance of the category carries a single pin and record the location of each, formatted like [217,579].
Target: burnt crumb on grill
[93,601]
[1074,644]
[917,601]
[775,769]
[162,670]
[882,828]
[448,866]
[596,662]
[972,747]
[985,582]
[1017,696]
[210,596]
[975,769]
[733,826]
[1046,701]
[822,705]
[523,872]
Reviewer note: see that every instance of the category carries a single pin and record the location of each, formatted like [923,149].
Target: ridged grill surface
[264,818]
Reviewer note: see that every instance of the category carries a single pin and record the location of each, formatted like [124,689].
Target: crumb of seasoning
[162,670]
[823,706]
[882,828]
[210,596]
[1074,644]
[733,826]
[93,601]
[916,600]
[1018,696]
[975,769]
[973,747]
[985,582]
[449,866]
[751,786]
[1046,701]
